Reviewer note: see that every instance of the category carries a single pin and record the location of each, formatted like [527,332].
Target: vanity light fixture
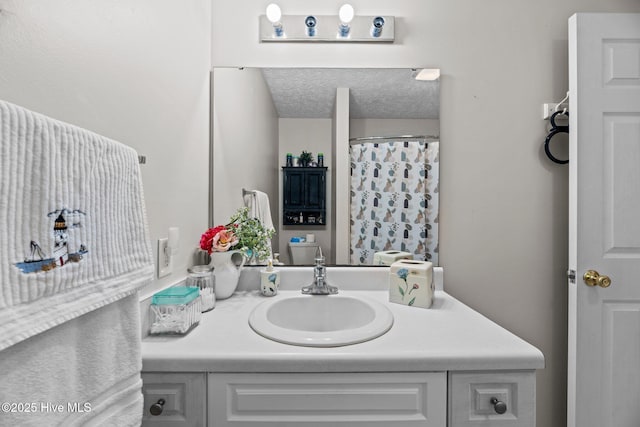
[346,16]
[322,28]
[376,27]
[274,14]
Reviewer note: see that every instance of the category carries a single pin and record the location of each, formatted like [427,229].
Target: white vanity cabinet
[447,366]
[401,399]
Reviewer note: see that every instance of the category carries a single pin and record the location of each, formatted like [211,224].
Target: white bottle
[269,280]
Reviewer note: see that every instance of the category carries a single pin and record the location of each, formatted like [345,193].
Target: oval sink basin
[320,320]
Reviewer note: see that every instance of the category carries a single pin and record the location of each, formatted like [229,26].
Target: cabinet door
[184,396]
[315,190]
[492,399]
[294,189]
[328,399]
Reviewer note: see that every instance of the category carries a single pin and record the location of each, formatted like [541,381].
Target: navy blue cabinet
[305,193]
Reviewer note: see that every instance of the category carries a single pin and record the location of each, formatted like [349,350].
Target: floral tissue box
[411,283]
[389,257]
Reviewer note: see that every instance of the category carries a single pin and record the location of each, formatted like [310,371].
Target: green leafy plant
[253,237]
[305,157]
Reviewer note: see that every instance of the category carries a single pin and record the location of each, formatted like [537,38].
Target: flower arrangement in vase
[231,245]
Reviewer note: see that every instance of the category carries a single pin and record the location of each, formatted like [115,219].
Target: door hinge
[571,275]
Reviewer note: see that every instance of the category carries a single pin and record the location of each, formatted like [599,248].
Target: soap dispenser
[269,280]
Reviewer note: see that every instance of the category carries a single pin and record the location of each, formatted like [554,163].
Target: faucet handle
[320,260]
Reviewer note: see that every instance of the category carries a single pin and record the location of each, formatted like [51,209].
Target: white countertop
[447,337]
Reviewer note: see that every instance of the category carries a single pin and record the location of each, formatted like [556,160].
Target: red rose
[206,241]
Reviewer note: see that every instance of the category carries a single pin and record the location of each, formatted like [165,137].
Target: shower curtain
[394,199]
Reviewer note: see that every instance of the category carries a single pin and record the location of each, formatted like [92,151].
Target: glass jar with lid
[175,310]
[201,276]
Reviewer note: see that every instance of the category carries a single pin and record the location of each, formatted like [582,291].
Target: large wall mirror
[378,131]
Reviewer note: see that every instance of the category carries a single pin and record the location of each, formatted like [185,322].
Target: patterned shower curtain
[394,199]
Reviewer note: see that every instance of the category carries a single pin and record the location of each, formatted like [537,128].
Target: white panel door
[604,208]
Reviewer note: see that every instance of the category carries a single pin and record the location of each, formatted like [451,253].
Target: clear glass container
[201,277]
[175,310]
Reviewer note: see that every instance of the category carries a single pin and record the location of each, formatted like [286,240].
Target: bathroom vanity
[443,366]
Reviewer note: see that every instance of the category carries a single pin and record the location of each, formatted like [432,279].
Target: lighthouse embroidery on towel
[60,253]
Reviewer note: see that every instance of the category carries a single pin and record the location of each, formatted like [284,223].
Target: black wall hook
[555,129]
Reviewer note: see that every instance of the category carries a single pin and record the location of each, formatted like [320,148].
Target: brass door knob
[593,278]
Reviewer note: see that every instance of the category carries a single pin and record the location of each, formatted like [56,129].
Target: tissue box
[389,257]
[411,283]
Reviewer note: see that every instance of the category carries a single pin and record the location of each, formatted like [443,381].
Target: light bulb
[376,28]
[273,13]
[346,13]
[310,23]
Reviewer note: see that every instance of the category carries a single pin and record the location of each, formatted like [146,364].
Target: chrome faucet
[319,285]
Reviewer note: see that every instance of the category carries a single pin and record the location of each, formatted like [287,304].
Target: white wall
[503,218]
[137,72]
[245,141]
[313,135]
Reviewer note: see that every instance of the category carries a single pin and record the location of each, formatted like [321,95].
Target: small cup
[310,238]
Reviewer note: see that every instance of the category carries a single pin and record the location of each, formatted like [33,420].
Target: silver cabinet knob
[499,406]
[156,408]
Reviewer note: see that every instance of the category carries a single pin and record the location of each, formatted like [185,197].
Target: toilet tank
[303,253]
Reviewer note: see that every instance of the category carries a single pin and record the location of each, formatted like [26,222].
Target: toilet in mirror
[347,160]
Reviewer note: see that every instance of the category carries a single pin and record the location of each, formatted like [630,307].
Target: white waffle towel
[72,221]
[85,372]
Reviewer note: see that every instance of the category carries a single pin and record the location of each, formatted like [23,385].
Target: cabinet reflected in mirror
[381,187]
[304,196]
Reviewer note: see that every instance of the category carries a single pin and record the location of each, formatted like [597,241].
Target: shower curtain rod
[379,138]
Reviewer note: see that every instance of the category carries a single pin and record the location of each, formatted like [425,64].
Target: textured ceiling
[374,93]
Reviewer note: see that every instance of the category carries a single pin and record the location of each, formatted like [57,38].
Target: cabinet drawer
[376,399]
[184,396]
[471,395]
